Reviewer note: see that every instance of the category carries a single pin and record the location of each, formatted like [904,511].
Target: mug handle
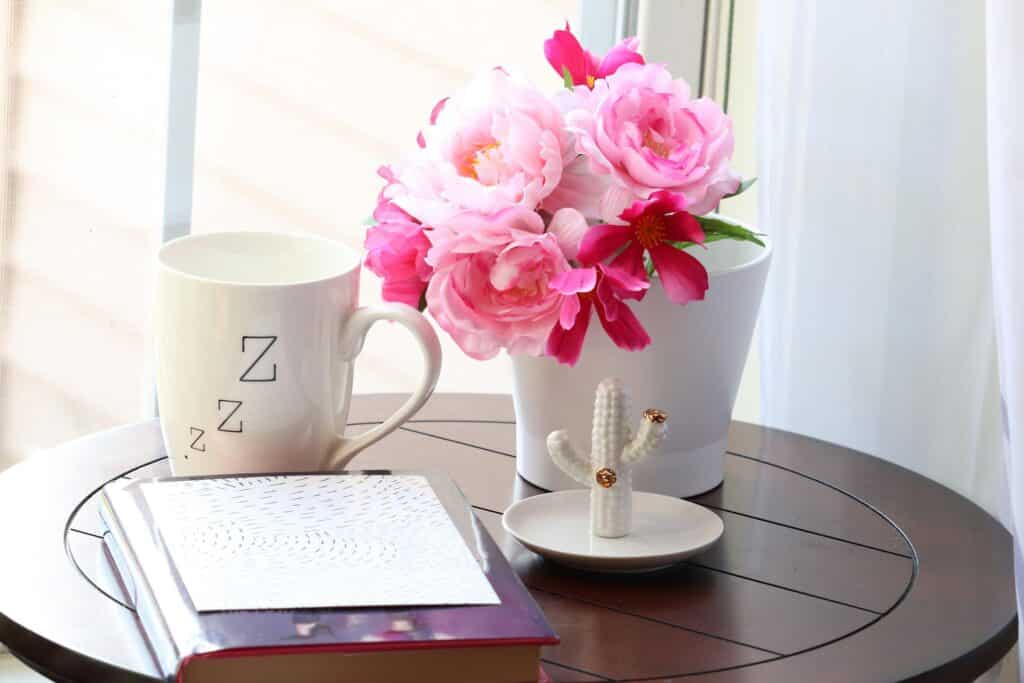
[352,335]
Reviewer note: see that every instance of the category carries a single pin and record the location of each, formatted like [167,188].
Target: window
[83,146]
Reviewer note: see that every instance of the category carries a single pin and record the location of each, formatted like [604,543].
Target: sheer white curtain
[1006,180]
[877,329]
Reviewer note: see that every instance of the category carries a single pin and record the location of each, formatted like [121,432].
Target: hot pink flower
[652,225]
[496,144]
[641,128]
[396,249]
[581,289]
[490,288]
[564,52]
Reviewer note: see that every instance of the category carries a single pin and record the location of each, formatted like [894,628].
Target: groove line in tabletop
[456,441]
[805,530]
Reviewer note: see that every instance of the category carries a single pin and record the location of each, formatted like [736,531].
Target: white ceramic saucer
[665,531]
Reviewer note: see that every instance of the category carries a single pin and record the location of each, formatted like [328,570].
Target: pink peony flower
[490,288]
[564,52]
[496,144]
[580,189]
[422,141]
[652,225]
[396,249]
[581,290]
[568,226]
[641,128]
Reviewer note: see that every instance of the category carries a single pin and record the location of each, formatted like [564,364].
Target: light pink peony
[496,144]
[569,227]
[581,189]
[422,141]
[641,128]
[490,285]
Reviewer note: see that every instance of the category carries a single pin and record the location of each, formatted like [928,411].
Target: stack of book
[363,576]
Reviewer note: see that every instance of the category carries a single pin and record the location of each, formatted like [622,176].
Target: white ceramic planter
[691,370]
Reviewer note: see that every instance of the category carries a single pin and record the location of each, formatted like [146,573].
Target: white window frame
[693,37]
[182,87]
[690,36]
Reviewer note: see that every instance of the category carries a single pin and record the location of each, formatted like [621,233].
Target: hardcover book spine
[137,590]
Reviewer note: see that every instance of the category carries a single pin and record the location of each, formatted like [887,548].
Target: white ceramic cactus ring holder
[608,471]
[606,526]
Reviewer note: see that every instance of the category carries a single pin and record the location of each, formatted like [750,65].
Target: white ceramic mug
[256,335]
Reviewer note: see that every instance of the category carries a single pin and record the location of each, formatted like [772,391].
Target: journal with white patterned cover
[310,541]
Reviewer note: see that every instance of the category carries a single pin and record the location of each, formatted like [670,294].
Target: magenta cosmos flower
[565,53]
[652,225]
[602,287]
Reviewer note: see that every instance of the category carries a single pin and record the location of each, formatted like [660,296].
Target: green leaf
[648,264]
[567,77]
[726,230]
[708,239]
[744,186]
[369,220]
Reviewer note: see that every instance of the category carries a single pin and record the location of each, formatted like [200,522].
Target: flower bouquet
[520,215]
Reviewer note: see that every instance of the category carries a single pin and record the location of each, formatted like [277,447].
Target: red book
[497,643]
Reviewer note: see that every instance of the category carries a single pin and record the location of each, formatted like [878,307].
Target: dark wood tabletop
[835,566]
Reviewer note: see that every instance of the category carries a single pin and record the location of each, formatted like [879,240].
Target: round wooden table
[834,566]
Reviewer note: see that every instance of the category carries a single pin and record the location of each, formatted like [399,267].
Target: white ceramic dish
[665,531]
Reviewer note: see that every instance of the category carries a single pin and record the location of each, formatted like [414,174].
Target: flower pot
[691,370]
